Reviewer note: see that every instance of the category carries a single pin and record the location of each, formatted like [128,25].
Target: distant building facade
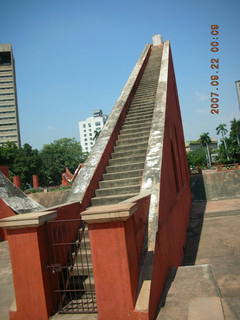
[195,145]
[9,120]
[88,129]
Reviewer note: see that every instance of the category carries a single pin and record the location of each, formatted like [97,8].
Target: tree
[222,129]
[235,130]
[23,162]
[8,151]
[58,155]
[205,141]
[197,158]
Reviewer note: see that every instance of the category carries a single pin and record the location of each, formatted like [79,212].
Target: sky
[74,56]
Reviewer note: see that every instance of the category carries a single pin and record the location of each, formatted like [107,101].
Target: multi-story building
[9,120]
[196,144]
[89,128]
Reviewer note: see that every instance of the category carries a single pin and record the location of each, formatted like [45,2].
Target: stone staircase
[122,179]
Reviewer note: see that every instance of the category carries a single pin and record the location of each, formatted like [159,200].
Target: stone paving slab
[192,287]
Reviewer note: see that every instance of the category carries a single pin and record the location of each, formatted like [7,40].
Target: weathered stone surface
[50,199]
[15,198]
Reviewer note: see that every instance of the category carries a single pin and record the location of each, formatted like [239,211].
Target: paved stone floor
[213,283]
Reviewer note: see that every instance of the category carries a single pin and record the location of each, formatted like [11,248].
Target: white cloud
[51,128]
[202,96]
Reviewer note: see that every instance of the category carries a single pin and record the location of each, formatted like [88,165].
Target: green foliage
[197,158]
[23,162]
[58,155]
[48,164]
[205,139]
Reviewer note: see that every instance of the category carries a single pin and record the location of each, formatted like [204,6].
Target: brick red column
[28,245]
[17,181]
[35,181]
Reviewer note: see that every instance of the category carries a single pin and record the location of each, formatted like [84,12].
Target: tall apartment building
[9,121]
[89,127]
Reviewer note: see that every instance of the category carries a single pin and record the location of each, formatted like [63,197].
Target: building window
[90,134]
[3,112]
[7,130]
[7,124]
[84,125]
[6,100]
[89,124]
[10,76]
[7,106]
[85,139]
[85,135]
[97,123]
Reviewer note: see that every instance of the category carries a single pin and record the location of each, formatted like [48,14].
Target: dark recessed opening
[5,58]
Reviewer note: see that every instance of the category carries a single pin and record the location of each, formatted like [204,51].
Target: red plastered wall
[175,197]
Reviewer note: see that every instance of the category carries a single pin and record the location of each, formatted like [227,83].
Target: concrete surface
[214,281]
[50,199]
[214,185]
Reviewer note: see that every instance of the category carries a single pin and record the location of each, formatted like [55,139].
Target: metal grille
[71,264]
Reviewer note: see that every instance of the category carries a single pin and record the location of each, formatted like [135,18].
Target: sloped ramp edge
[15,198]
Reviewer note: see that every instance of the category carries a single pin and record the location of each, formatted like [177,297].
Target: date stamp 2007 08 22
[214,96]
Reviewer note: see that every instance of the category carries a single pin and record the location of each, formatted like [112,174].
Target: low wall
[216,185]
[50,199]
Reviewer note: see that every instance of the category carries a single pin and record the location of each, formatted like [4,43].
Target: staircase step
[129,153]
[139,116]
[140,111]
[84,257]
[125,167]
[133,140]
[98,201]
[119,182]
[82,270]
[123,137]
[137,125]
[131,147]
[138,120]
[127,160]
[135,130]
[117,190]
[122,175]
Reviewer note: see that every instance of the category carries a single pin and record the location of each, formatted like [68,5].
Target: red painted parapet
[117,238]
[35,181]
[5,211]
[17,181]
[28,245]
